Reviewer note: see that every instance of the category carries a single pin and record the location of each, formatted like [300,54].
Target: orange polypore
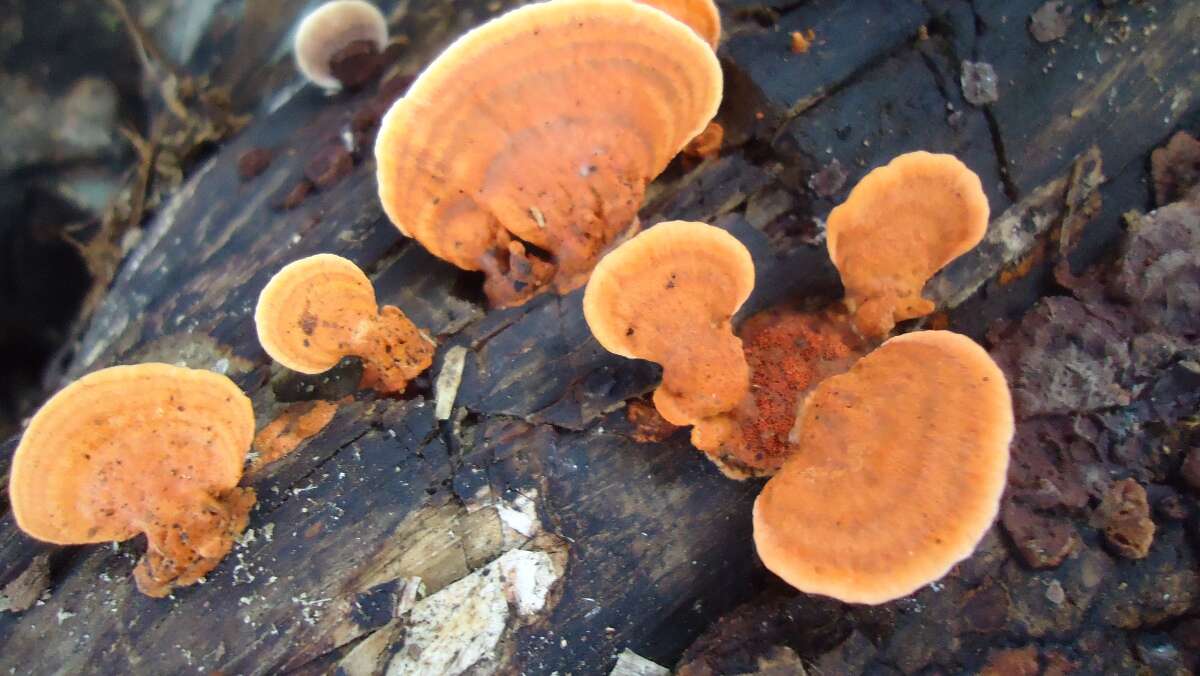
[295,425]
[898,472]
[700,15]
[152,449]
[319,309]
[789,352]
[902,223]
[668,295]
[350,30]
[524,150]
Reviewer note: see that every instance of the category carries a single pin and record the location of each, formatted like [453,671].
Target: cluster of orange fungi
[863,449]
[523,152]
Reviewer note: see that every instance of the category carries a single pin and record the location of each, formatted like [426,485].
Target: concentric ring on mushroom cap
[311,311]
[702,15]
[332,27]
[902,223]
[668,295]
[897,474]
[103,452]
[544,124]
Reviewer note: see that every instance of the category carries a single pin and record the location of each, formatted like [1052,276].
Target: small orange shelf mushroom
[151,448]
[897,475]
[319,309]
[701,16]
[668,296]
[901,224]
[524,150]
[338,44]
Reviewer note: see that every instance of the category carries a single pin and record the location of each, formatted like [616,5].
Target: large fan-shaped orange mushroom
[902,223]
[701,15]
[151,448]
[524,150]
[319,309]
[668,295]
[897,474]
[339,43]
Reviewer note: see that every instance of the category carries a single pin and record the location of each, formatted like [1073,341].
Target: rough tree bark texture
[639,546]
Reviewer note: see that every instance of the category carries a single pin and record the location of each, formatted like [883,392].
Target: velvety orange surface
[898,471]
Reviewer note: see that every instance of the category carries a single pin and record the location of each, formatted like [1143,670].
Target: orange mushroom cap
[319,309]
[901,224]
[897,475]
[332,27]
[149,448]
[701,16]
[668,295]
[524,150]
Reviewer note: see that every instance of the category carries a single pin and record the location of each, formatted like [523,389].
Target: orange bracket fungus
[524,150]
[668,296]
[897,474]
[151,448]
[701,16]
[319,309]
[339,44]
[901,224]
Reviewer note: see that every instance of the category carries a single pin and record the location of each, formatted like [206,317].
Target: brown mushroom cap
[319,309]
[897,475]
[151,448]
[310,312]
[668,295]
[525,148]
[701,16]
[332,27]
[901,224]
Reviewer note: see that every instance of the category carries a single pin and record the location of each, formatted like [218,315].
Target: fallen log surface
[529,532]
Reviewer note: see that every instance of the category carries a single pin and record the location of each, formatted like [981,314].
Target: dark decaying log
[638,546]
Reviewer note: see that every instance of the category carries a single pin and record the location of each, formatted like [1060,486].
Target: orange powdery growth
[152,448]
[701,16]
[901,224]
[802,41]
[668,296]
[297,423]
[789,352]
[319,309]
[898,473]
[524,150]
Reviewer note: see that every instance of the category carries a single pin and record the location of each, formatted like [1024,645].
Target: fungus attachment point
[339,44]
[701,16]
[789,353]
[319,309]
[151,448]
[897,475]
[668,295]
[901,224]
[524,150]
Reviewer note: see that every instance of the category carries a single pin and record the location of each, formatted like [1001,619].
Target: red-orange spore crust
[789,353]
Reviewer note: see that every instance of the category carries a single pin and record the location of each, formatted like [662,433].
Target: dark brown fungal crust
[356,64]
[296,195]
[330,165]
[254,162]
